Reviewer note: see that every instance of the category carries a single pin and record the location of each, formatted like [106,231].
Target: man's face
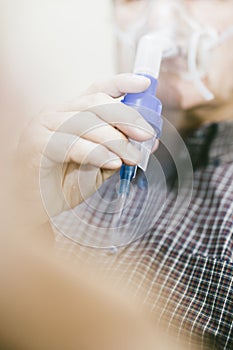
[134,18]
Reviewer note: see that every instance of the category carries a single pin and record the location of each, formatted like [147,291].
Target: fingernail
[141,79]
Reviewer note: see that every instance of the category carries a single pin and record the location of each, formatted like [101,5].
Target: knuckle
[101,98]
[96,155]
[98,102]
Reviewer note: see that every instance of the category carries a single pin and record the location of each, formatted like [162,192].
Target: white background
[56,48]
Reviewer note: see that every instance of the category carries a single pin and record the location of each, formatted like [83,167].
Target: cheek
[178,93]
[219,73]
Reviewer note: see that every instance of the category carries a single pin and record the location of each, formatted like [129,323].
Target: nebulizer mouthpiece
[147,63]
[149,56]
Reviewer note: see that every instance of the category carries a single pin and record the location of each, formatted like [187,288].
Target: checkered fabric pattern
[185,274]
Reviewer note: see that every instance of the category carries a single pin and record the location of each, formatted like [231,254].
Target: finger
[104,92]
[120,84]
[68,148]
[84,102]
[156,146]
[116,115]
[126,119]
[89,127]
[94,128]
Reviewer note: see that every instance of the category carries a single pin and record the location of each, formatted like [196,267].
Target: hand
[86,139]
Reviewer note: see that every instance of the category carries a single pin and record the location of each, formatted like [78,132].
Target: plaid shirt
[184,274]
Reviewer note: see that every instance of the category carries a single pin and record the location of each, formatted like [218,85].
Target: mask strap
[192,23]
[192,65]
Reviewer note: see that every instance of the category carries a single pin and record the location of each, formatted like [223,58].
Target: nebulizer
[147,63]
[191,42]
[120,211]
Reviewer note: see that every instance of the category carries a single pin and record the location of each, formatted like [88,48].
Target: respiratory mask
[187,44]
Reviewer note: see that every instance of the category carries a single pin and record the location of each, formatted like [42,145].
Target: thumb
[120,84]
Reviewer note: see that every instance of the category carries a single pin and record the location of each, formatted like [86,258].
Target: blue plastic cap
[148,105]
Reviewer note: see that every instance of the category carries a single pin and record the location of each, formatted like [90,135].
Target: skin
[48,303]
[175,92]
